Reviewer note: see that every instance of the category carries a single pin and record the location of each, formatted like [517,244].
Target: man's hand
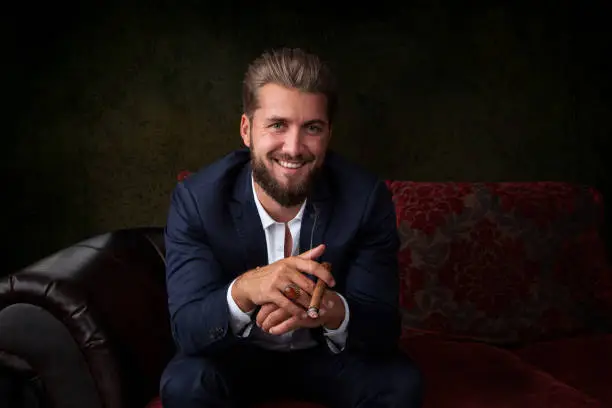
[266,284]
[278,321]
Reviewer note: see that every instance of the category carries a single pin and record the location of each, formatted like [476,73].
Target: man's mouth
[293,165]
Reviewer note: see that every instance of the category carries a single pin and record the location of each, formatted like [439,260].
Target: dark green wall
[108,104]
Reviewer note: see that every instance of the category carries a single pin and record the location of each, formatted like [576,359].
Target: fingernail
[322,312]
[333,283]
[304,315]
[330,304]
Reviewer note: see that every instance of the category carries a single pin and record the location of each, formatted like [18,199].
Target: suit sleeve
[372,284]
[196,285]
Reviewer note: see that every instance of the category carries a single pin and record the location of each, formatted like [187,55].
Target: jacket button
[216,333]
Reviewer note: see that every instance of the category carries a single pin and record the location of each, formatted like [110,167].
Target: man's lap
[250,375]
[347,379]
[243,375]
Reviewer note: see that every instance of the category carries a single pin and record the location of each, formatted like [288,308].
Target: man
[245,241]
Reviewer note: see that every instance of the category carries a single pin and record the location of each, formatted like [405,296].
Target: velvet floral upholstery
[501,262]
[506,294]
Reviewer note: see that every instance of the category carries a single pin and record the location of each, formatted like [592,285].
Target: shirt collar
[266,220]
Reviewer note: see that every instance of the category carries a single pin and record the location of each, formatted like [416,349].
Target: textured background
[107,104]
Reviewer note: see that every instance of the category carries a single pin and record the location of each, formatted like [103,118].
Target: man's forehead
[274,92]
[283,103]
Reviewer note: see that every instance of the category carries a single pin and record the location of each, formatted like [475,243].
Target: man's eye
[315,129]
[277,125]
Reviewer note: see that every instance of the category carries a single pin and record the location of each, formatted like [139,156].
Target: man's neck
[274,209]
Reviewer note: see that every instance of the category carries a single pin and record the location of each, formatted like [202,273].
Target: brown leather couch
[75,319]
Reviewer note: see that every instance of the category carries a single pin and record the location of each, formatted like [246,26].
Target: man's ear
[245,127]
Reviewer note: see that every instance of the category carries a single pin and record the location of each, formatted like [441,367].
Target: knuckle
[281,274]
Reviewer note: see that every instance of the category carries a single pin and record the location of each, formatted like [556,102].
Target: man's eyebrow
[275,118]
[315,122]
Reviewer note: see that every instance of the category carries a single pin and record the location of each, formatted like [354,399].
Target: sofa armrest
[109,293]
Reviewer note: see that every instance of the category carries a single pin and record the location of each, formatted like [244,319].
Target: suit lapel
[252,238]
[316,216]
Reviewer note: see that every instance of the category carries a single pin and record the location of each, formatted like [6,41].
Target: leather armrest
[110,294]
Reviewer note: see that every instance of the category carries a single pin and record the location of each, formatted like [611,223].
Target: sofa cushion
[474,375]
[501,262]
[584,363]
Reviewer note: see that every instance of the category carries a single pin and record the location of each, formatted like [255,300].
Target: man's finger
[285,327]
[302,281]
[276,317]
[313,253]
[264,312]
[316,269]
[288,305]
[304,296]
[295,322]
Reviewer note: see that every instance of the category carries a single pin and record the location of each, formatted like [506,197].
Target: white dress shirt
[240,322]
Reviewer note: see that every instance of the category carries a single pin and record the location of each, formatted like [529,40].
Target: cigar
[317,295]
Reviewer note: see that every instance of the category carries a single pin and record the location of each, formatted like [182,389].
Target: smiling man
[246,239]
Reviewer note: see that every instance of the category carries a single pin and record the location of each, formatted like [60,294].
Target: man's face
[288,137]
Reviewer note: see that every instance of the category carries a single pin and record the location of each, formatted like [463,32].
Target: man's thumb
[314,253]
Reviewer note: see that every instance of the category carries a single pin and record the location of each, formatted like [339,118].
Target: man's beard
[286,196]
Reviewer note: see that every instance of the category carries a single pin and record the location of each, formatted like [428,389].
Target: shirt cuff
[240,322]
[336,338]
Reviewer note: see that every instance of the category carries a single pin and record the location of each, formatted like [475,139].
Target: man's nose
[293,142]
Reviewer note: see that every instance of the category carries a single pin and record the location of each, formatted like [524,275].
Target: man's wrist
[335,315]
[333,322]
[240,296]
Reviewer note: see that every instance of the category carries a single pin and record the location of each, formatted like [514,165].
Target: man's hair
[290,68]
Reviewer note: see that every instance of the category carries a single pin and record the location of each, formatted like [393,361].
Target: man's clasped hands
[266,286]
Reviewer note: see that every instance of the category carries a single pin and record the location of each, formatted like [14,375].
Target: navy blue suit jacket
[214,234]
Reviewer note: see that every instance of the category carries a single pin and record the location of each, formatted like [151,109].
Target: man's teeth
[290,165]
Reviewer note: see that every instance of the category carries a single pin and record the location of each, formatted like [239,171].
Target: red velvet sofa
[506,300]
